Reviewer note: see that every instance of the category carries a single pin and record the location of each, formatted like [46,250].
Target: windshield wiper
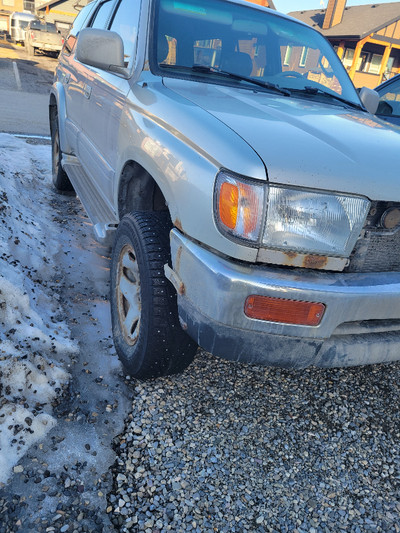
[316,90]
[212,70]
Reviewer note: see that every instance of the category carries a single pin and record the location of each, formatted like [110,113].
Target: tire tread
[167,348]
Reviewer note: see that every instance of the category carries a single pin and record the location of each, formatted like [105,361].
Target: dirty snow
[34,339]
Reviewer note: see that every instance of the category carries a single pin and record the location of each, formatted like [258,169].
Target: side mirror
[102,49]
[370,99]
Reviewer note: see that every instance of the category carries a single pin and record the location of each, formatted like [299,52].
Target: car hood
[307,143]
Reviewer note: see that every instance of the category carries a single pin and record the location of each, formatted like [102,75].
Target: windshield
[248,42]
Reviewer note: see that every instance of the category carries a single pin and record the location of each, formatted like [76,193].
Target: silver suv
[252,199]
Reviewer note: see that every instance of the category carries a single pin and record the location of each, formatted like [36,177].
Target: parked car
[252,200]
[18,25]
[389,101]
[44,37]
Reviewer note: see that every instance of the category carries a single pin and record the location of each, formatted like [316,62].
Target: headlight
[313,222]
[238,206]
[298,220]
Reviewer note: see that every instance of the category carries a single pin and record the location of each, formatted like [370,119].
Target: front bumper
[361,324]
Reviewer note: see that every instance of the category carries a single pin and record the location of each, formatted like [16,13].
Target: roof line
[52,2]
[384,25]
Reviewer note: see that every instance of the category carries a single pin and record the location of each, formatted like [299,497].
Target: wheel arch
[57,106]
[139,191]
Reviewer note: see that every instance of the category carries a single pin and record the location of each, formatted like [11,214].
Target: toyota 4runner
[252,199]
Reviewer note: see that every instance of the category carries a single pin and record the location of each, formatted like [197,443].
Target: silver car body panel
[331,148]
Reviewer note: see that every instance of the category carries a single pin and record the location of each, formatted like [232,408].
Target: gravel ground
[233,448]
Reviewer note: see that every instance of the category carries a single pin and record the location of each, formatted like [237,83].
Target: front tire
[147,335]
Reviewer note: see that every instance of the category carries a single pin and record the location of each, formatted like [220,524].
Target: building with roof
[62,13]
[366,38]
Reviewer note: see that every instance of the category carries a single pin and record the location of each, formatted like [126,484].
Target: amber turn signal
[285,311]
[228,204]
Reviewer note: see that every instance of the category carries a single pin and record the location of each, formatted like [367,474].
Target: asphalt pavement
[23,112]
[24,89]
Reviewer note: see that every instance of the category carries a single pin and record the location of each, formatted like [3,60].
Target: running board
[101,216]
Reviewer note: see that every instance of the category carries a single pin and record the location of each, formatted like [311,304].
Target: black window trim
[98,6]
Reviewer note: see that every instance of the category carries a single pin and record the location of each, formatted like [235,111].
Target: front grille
[377,249]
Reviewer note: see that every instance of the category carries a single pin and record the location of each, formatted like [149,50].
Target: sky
[286,6]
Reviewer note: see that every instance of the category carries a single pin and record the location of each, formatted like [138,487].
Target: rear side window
[102,15]
[389,102]
[80,20]
[126,23]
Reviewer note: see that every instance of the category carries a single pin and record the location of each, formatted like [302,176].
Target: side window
[76,27]
[389,103]
[102,15]
[126,22]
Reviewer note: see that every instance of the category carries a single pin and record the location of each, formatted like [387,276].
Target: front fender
[185,172]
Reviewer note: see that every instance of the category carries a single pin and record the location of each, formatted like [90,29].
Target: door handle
[87,91]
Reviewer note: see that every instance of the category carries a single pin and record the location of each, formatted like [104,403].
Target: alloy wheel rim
[128,295]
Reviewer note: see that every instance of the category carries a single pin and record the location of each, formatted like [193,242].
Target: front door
[105,96]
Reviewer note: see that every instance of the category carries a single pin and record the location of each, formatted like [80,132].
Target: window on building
[29,5]
[348,58]
[363,61]
[375,64]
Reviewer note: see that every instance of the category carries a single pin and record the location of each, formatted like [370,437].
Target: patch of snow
[33,336]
